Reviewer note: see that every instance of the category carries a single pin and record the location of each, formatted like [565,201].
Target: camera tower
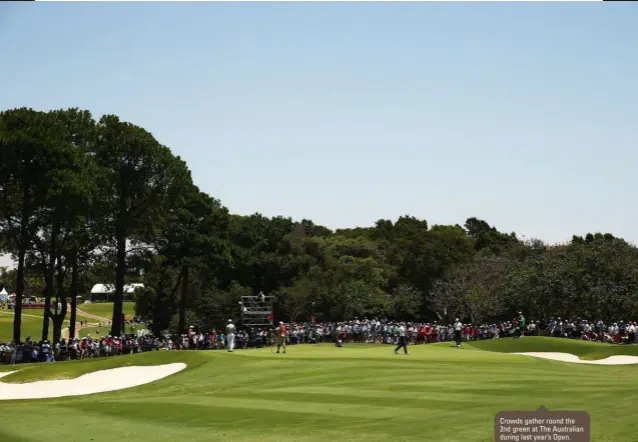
[257,311]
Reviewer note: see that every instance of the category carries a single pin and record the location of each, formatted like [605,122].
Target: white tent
[106,291]
[4,295]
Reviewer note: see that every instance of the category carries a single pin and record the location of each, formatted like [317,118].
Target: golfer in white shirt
[403,340]
[458,326]
[230,335]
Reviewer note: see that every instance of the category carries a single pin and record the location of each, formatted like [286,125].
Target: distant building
[106,292]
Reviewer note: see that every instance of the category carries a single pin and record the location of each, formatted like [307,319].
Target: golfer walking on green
[403,340]
[230,335]
[457,332]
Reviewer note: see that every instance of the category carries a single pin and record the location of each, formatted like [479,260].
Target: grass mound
[73,369]
[583,349]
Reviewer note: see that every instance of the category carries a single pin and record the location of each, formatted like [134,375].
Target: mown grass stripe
[319,393]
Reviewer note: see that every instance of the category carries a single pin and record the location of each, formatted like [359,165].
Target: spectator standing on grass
[558,329]
[521,325]
[631,333]
[230,335]
[600,330]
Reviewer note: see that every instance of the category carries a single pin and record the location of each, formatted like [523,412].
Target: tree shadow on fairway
[9,437]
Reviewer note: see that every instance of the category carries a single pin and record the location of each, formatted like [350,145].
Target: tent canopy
[109,289]
[3,292]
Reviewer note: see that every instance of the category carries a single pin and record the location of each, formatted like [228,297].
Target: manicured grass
[318,393]
[583,349]
[31,324]
[32,321]
[105,309]
[104,330]
[73,369]
[92,331]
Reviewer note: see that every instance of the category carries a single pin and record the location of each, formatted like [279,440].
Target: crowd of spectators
[357,331]
[27,303]
[376,331]
[106,346]
[620,332]
[74,349]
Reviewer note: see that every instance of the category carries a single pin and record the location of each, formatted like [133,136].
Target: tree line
[85,200]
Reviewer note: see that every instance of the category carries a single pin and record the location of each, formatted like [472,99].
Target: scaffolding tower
[257,311]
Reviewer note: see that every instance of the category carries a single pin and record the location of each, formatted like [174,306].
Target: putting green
[318,393]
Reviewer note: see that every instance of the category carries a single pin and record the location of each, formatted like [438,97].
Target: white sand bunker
[566,357]
[91,383]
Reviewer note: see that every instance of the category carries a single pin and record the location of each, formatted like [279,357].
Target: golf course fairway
[320,392]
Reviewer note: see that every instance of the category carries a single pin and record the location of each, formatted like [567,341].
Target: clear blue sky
[522,114]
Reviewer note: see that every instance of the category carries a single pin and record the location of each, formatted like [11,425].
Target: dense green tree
[487,238]
[28,146]
[192,238]
[83,202]
[143,178]
[198,242]
[71,183]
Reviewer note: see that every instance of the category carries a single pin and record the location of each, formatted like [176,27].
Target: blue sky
[522,114]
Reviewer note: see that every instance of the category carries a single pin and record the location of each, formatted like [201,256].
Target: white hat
[230,320]
[281,323]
